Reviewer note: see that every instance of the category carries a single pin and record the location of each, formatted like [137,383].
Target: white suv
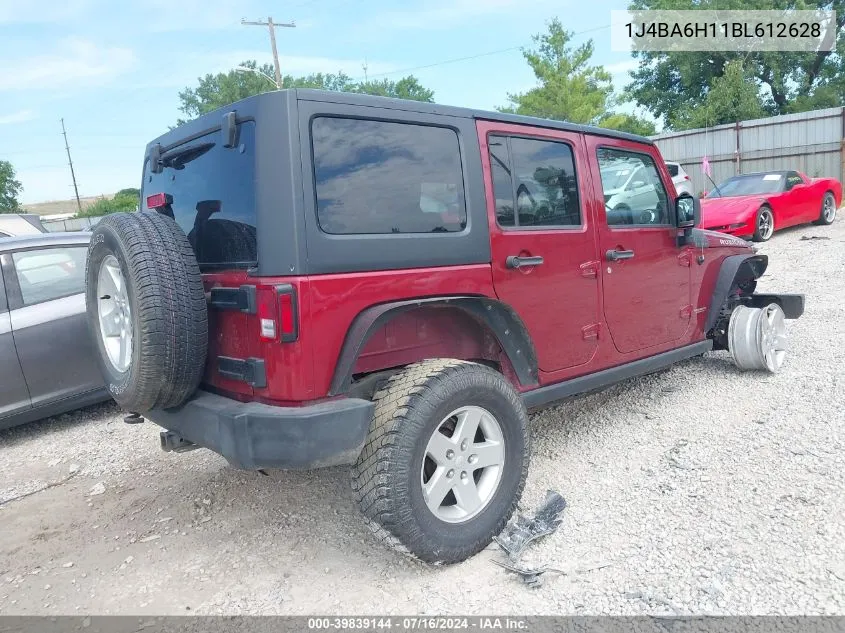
[682,181]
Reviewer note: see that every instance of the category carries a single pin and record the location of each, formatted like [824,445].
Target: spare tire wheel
[146,310]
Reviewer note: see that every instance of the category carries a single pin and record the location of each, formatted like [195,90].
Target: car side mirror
[687,211]
[637,184]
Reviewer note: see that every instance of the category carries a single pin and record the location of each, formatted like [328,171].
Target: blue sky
[114,71]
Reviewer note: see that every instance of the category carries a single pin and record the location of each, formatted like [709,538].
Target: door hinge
[686,312]
[590,331]
[590,269]
[685,259]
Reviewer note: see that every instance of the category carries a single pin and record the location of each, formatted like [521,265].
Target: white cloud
[17,117]
[448,14]
[184,15]
[75,62]
[41,12]
[621,68]
[303,65]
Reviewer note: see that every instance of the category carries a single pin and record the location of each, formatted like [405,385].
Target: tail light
[686,177]
[277,313]
[159,200]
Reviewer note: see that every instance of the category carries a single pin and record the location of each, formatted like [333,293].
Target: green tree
[670,84]
[628,123]
[569,87]
[131,191]
[217,91]
[10,189]
[735,96]
[406,88]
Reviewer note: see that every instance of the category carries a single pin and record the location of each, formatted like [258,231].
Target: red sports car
[754,205]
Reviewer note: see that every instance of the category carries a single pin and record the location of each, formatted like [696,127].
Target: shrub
[121,202]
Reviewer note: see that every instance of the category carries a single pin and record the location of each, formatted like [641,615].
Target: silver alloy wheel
[829,209]
[463,464]
[766,224]
[114,314]
[757,337]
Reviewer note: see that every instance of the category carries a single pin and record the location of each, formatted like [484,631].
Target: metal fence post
[738,168]
[842,150]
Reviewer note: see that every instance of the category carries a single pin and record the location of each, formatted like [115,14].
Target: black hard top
[434,108]
[251,104]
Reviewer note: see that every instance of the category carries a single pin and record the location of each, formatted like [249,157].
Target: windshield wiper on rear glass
[178,158]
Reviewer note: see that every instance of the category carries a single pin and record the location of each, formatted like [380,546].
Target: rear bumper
[251,435]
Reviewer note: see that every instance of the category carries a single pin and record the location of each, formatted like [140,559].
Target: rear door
[646,280]
[209,189]
[542,239]
[14,396]
[48,319]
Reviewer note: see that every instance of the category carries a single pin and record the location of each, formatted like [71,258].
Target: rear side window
[50,273]
[379,177]
[534,183]
[673,169]
[213,196]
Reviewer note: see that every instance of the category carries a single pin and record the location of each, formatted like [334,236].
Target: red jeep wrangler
[319,278]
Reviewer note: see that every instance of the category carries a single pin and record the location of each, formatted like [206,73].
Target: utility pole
[70,162]
[272,27]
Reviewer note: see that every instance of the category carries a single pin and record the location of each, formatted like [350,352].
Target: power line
[272,28]
[469,57]
[70,162]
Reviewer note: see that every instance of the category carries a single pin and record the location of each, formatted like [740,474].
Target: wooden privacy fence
[812,142]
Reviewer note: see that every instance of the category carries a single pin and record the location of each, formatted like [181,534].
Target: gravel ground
[698,490]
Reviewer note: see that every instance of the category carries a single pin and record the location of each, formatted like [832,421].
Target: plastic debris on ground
[524,531]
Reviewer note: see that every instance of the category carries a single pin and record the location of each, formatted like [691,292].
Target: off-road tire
[387,476]
[168,309]
[822,220]
[758,236]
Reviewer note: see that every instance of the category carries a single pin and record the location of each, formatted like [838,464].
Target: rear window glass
[673,169]
[375,177]
[213,196]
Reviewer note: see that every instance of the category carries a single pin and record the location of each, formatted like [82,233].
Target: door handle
[515,261]
[614,255]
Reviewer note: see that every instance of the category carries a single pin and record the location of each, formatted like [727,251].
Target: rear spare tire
[146,310]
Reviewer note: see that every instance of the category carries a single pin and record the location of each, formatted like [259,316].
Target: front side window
[534,182]
[633,192]
[379,177]
[50,273]
[792,179]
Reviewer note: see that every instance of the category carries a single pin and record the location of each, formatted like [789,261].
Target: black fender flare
[500,318]
[734,268]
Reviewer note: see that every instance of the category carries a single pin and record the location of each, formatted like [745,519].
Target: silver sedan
[47,356]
